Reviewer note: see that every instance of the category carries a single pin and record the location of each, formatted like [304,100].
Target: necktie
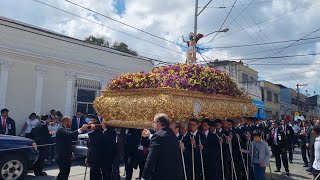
[305,130]
[3,123]
[272,136]
[145,151]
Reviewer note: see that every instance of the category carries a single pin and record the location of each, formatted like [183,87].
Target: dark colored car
[17,155]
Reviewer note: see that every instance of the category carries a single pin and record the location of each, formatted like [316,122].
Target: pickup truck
[17,156]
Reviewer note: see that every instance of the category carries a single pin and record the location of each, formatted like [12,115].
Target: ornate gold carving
[135,108]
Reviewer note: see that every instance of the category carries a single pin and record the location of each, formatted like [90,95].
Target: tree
[100,41]
[123,47]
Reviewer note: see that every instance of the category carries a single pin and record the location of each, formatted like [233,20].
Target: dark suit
[237,158]
[289,135]
[164,159]
[119,155]
[197,158]
[109,148]
[75,124]
[64,151]
[279,148]
[185,139]
[303,145]
[132,141]
[94,154]
[10,127]
[310,141]
[41,137]
[214,157]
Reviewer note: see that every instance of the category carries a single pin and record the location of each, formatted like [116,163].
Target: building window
[262,94]
[245,78]
[276,98]
[86,92]
[251,79]
[269,96]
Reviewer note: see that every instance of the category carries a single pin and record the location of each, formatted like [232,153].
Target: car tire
[13,167]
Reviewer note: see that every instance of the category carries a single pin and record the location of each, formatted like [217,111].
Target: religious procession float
[181,91]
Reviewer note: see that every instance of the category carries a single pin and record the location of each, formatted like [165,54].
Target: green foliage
[123,47]
[101,41]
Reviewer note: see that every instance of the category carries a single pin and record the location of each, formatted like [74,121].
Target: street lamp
[223,30]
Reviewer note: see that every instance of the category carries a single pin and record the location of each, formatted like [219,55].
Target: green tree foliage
[123,47]
[101,41]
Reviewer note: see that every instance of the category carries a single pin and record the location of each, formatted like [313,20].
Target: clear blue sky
[120,6]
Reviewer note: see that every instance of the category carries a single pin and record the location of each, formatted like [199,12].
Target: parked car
[81,147]
[17,156]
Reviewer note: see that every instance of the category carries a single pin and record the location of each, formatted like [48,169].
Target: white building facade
[41,70]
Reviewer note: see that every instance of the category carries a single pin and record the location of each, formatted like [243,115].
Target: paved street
[78,170]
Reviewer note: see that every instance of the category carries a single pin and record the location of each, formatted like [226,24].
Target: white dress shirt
[316,162]
[275,136]
[206,133]
[296,129]
[194,133]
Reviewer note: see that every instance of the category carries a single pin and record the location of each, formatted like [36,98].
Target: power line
[241,13]
[123,23]
[272,19]
[222,23]
[260,44]
[291,73]
[286,47]
[238,5]
[293,64]
[272,57]
[106,26]
[65,48]
[204,7]
[106,49]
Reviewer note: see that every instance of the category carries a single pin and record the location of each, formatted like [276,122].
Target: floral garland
[180,76]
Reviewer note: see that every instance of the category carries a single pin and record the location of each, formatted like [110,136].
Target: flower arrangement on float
[181,91]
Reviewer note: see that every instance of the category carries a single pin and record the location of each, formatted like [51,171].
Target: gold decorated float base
[135,108]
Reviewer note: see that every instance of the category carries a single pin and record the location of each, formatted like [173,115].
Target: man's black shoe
[309,170]
[287,173]
[278,170]
[291,162]
[305,166]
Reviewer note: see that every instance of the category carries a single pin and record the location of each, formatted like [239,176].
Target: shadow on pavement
[41,177]
[283,176]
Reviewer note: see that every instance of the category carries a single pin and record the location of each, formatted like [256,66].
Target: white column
[70,77]
[41,71]
[4,75]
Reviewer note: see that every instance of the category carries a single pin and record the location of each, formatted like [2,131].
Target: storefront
[261,109]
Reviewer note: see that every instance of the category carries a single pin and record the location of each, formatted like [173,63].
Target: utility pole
[195,28]
[298,92]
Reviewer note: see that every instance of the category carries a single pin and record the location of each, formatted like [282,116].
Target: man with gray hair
[163,161]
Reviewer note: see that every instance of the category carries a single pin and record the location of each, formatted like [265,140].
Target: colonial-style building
[246,79]
[42,70]
[271,99]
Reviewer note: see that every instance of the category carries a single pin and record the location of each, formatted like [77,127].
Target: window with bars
[276,98]
[86,92]
[269,96]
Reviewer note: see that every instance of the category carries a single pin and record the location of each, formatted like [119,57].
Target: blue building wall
[261,107]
